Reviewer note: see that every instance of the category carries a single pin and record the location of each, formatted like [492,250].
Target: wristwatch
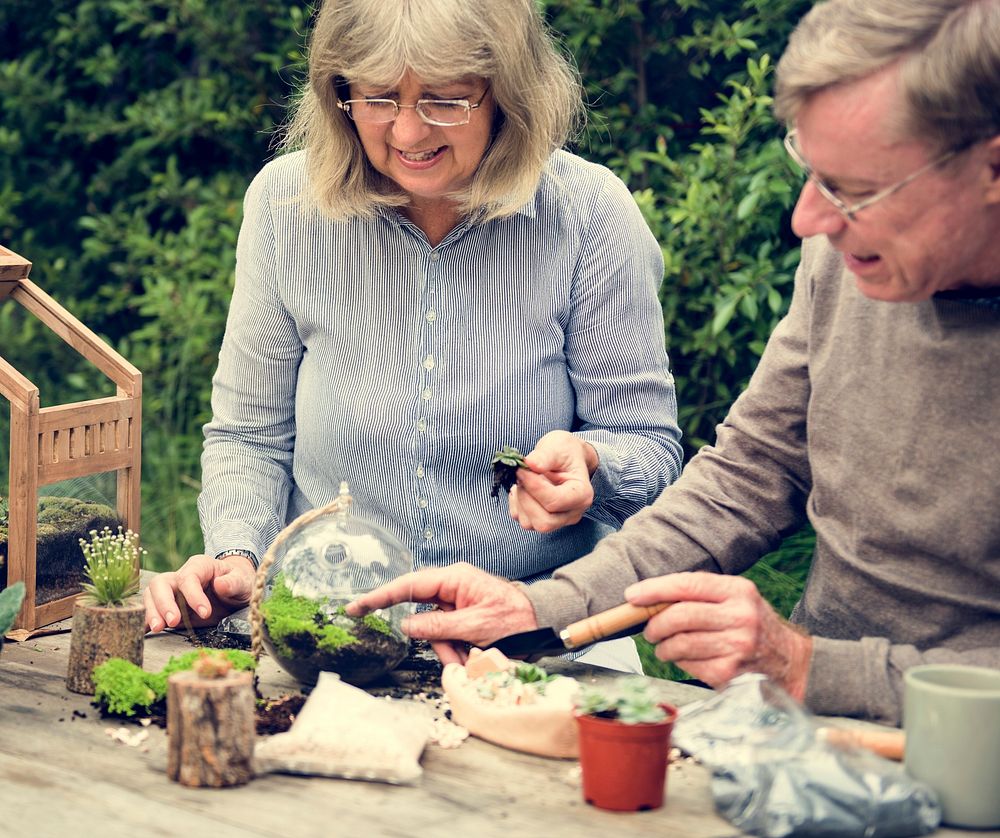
[247,554]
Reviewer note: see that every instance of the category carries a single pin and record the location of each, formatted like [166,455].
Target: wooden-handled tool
[615,622]
[606,623]
[887,743]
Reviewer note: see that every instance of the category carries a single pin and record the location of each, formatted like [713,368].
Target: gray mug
[951,714]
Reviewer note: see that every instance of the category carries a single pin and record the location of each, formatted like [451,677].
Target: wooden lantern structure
[66,441]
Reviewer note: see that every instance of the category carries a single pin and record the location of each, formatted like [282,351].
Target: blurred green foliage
[129,130]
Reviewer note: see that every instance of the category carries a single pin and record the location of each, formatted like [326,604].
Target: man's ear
[993,162]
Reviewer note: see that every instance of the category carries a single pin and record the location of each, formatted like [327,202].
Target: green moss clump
[290,616]
[373,621]
[331,638]
[121,688]
[238,658]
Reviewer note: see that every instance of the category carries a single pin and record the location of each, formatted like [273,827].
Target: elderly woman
[426,279]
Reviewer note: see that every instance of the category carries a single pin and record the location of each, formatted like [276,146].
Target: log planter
[102,632]
[210,728]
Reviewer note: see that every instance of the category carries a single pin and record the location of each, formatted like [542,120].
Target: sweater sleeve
[865,677]
[735,500]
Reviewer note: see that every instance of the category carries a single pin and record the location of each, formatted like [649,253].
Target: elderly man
[873,413]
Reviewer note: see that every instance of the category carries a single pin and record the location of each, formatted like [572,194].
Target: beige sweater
[881,422]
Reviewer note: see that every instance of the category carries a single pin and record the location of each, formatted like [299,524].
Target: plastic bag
[773,776]
[342,731]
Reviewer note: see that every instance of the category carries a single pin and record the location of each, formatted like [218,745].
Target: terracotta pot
[100,633]
[625,766]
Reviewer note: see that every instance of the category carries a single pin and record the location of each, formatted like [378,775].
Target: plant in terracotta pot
[624,745]
[109,620]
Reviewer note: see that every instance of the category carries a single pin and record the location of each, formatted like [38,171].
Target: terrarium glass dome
[324,559]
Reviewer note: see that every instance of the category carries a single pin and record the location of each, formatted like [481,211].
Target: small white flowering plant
[112,565]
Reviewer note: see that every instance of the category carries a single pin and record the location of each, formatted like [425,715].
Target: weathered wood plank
[61,774]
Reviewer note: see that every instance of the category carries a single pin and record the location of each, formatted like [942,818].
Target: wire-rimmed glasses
[443,112]
[850,211]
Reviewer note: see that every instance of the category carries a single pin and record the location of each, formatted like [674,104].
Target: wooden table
[60,773]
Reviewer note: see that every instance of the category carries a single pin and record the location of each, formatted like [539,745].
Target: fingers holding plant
[553,488]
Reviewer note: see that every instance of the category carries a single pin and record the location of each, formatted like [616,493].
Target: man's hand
[211,588]
[474,608]
[554,490]
[720,627]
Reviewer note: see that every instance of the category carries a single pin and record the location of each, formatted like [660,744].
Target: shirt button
[422,503]
[426,394]
[431,316]
[435,256]
[428,535]
[422,425]
[429,362]
[420,471]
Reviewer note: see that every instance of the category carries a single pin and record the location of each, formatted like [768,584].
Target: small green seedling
[505,464]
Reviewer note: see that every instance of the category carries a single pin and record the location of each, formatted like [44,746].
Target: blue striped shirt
[356,351]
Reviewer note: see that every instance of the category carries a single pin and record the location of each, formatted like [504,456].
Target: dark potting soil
[212,638]
[359,662]
[275,715]
[272,715]
[419,673]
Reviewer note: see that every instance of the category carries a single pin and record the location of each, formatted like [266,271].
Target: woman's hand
[473,608]
[211,588]
[719,627]
[554,490]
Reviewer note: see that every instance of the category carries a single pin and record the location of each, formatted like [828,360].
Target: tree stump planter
[210,729]
[100,633]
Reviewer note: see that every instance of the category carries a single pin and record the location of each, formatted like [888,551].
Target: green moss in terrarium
[62,522]
[373,621]
[308,636]
[122,689]
[290,616]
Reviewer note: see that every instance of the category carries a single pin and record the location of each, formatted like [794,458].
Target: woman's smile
[421,159]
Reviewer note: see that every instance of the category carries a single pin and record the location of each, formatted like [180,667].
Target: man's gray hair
[373,42]
[948,51]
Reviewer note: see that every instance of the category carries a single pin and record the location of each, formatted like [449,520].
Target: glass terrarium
[324,559]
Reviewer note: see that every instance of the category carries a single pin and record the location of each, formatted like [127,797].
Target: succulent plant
[633,702]
[505,464]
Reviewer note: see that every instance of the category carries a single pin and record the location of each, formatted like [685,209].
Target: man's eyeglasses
[444,112]
[850,211]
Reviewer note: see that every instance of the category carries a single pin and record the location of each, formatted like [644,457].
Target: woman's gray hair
[949,54]
[373,42]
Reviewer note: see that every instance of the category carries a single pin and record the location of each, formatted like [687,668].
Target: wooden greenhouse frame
[61,442]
